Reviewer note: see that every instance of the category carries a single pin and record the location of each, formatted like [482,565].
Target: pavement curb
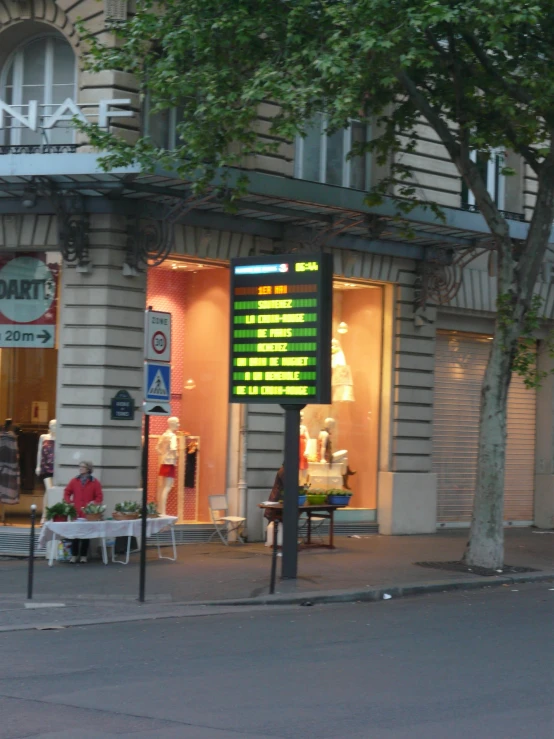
[374,594]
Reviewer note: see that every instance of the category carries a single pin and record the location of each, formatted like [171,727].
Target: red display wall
[198,299]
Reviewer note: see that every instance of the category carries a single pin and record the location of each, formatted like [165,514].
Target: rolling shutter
[460,365]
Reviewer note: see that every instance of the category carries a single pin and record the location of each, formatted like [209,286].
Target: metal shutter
[459,370]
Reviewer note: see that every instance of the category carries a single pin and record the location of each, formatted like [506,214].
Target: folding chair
[317,523]
[224,525]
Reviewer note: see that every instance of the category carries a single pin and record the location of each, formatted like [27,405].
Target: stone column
[100,352]
[544,465]
[407,492]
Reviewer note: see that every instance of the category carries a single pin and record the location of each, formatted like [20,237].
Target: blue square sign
[157,382]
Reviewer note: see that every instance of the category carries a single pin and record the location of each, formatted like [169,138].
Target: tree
[478,71]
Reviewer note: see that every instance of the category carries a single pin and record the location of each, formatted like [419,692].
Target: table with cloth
[106,530]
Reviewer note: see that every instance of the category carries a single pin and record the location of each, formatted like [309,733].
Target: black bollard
[274,556]
[31,553]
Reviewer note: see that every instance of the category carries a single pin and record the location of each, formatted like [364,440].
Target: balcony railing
[39,149]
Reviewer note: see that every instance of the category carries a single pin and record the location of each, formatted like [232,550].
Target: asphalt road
[447,666]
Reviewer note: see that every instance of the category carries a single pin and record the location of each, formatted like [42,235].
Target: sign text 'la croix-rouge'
[35,115]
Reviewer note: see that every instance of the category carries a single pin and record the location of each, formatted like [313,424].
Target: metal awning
[274,207]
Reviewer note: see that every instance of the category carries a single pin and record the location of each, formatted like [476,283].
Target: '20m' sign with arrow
[28,302]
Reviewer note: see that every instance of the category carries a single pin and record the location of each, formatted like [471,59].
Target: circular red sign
[159,342]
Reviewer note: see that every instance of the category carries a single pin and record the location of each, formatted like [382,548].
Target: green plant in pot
[152,510]
[338,496]
[94,512]
[61,512]
[317,496]
[129,509]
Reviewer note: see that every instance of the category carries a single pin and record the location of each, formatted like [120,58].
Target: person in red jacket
[81,491]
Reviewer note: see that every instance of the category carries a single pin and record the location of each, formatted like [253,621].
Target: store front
[28,375]
[196,293]
[461,360]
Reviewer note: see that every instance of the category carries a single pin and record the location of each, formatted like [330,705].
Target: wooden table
[325,510]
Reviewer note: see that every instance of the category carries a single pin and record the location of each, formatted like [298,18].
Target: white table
[81,529]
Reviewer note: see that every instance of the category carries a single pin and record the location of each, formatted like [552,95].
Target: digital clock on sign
[281,330]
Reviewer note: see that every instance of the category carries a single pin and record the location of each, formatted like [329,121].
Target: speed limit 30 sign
[157,336]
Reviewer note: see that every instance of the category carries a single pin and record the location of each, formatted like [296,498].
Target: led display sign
[281,309]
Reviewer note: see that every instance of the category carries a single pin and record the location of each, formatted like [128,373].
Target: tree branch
[527,152]
[513,90]
[468,169]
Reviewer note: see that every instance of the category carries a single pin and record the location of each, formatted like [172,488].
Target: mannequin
[9,467]
[324,442]
[304,439]
[168,451]
[341,375]
[45,462]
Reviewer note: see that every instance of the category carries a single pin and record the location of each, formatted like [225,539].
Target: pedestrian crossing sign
[157,382]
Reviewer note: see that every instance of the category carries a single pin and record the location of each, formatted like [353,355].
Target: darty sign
[28,301]
[33,117]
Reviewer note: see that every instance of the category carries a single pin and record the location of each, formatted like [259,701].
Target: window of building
[490,165]
[162,127]
[323,157]
[44,70]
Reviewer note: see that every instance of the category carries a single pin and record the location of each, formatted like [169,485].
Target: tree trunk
[485,547]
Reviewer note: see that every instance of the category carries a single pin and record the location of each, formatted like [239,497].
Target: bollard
[31,553]
[274,556]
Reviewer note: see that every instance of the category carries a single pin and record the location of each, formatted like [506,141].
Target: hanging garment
[304,436]
[341,375]
[324,446]
[9,469]
[47,458]
[190,467]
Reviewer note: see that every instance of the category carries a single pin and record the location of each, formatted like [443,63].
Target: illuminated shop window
[323,157]
[43,70]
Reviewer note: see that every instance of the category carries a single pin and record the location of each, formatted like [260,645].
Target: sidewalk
[210,575]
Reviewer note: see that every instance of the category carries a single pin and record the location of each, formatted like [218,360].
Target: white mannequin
[47,475]
[324,440]
[168,451]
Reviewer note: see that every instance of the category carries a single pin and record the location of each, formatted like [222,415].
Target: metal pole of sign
[274,556]
[142,578]
[289,568]
[32,553]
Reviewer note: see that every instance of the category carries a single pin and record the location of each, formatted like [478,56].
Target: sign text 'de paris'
[35,115]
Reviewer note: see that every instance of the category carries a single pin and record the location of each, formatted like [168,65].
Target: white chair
[317,524]
[224,524]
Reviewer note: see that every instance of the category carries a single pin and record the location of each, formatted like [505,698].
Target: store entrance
[28,399]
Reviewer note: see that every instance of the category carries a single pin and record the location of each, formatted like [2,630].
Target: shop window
[343,437]
[323,157]
[43,69]
[197,296]
[28,379]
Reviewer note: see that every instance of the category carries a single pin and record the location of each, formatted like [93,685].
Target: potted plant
[337,496]
[303,493]
[128,510]
[152,510]
[94,512]
[317,496]
[61,512]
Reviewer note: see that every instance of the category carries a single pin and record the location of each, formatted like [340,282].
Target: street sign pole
[142,576]
[289,568]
